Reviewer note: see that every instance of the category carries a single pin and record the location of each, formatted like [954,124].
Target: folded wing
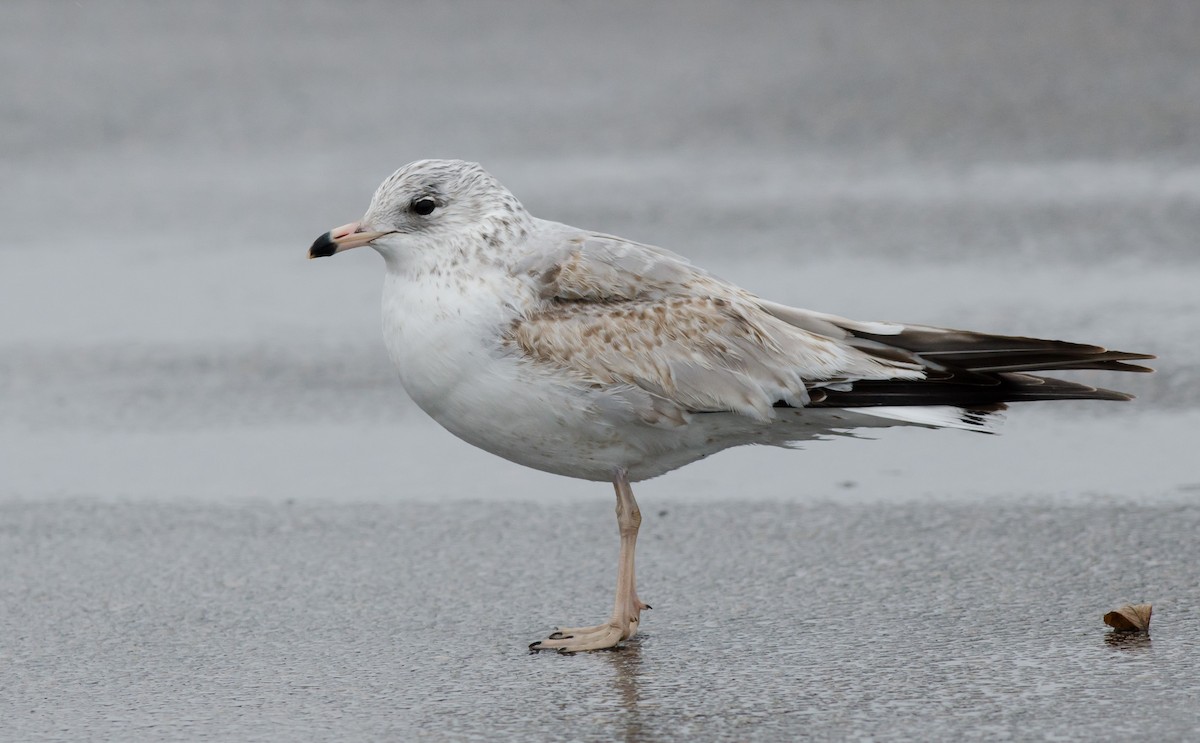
[617,313]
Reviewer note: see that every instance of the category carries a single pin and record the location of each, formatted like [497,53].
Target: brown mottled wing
[620,313]
[617,313]
[593,267]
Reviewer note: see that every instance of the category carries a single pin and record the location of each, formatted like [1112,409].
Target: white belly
[454,365]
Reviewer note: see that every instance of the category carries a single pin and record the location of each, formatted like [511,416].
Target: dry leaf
[1130,618]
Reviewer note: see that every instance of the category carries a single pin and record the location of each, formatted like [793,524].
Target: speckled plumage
[581,353]
[595,357]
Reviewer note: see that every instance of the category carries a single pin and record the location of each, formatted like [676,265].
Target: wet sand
[256,621]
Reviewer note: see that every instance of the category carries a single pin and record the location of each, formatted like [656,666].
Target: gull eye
[423,205]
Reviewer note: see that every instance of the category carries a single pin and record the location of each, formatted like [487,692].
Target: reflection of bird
[595,357]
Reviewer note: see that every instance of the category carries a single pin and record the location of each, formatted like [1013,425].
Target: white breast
[445,336]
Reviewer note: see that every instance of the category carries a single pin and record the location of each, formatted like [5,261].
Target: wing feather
[620,313]
[624,315]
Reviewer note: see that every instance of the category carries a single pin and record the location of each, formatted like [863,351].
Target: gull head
[426,203]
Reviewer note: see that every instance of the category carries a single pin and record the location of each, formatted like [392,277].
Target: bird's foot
[621,626]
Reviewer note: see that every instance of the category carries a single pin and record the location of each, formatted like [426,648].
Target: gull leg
[627,607]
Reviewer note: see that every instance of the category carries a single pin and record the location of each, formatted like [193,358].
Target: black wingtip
[322,247]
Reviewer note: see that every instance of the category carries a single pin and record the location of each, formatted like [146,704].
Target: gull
[596,357]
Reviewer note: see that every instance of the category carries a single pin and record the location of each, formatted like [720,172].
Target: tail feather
[1006,387]
[968,370]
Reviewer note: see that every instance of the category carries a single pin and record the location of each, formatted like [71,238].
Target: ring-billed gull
[592,356]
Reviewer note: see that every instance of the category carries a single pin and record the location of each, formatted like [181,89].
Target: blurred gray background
[183,396]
